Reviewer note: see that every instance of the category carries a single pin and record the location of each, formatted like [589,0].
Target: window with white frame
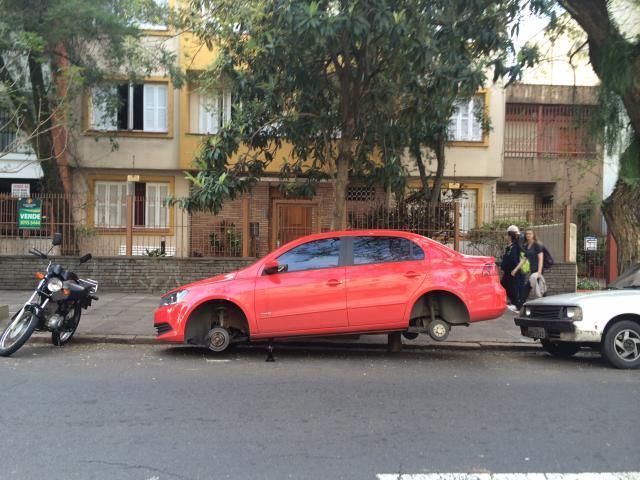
[465,124]
[149,208]
[214,111]
[162,5]
[110,209]
[130,106]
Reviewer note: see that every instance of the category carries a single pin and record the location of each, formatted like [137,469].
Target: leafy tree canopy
[51,49]
[348,84]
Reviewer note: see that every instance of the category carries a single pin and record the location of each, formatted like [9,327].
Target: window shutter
[208,113]
[151,201]
[227,107]
[100,210]
[155,108]
[163,211]
[101,119]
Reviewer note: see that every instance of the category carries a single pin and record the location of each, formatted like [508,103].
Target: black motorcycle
[55,306]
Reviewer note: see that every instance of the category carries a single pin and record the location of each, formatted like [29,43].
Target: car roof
[359,233]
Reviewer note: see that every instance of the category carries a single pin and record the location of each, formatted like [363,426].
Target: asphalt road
[145,412]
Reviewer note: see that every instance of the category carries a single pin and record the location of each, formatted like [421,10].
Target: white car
[608,319]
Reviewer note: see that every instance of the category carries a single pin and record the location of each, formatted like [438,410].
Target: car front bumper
[555,330]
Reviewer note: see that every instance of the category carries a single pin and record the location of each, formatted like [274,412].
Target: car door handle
[411,274]
[333,282]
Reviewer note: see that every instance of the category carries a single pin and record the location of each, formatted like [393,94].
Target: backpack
[547,261]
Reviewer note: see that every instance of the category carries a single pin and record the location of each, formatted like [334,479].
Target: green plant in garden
[225,239]
[585,283]
[156,252]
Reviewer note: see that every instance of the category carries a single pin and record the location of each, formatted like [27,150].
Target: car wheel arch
[200,317]
[450,306]
[618,318]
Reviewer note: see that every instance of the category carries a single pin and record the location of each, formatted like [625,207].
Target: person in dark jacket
[512,278]
[533,252]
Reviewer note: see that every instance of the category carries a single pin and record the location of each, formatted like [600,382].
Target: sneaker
[513,308]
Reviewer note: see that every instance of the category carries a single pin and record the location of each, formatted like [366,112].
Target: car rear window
[384,249]
[323,253]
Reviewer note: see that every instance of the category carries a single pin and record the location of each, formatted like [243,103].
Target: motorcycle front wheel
[63,336]
[17,332]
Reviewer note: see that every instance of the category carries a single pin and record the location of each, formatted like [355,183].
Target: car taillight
[490,269]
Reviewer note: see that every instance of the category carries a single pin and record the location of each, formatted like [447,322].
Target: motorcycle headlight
[54,285]
[172,298]
[574,313]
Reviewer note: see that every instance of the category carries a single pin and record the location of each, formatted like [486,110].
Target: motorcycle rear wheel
[17,332]
[62,337]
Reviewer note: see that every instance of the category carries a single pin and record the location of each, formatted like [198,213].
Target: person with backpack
[512,279]
[532,265]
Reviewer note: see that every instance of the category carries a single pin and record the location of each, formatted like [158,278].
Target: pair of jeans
[514,287]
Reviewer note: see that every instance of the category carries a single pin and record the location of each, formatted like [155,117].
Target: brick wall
[155,275]
[562,278]
[161,274]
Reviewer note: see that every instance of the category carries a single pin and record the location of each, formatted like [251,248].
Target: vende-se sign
[29,213]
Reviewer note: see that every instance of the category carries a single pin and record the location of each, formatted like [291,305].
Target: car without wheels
[336,283]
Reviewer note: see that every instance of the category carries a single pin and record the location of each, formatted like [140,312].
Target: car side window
[313,255]
[368,250]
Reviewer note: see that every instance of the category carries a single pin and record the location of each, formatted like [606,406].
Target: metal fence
[118,225]
[469,227]
[111,226]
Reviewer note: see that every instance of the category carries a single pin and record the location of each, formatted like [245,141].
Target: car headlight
[574,313]
[527,312]
[54,285]
[172,298]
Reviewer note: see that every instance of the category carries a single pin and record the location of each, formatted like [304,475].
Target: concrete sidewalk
[121,317]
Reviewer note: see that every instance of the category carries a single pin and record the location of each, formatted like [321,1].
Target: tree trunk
[623,219]
[340,193]
[440,158]
[416,151]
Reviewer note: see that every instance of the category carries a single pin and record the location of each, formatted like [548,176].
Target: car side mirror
[85,258]
[273,266]
[57,239]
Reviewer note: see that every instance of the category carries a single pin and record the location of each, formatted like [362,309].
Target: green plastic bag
[526,266]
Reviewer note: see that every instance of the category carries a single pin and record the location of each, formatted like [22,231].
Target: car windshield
[629,279]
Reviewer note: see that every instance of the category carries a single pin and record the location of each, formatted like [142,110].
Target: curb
[151,340]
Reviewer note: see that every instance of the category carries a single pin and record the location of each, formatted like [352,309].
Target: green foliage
[156,252]
[51,51]
[585,283]
[225,240]
[347,84]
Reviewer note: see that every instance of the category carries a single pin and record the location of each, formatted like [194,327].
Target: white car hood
[586,297]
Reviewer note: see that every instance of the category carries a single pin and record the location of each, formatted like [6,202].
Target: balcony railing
[540,130]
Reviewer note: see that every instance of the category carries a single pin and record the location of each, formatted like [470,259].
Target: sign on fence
[591,244]
[29,213]
[20,190]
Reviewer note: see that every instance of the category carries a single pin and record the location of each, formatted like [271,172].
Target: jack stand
[270,353]
[394,343]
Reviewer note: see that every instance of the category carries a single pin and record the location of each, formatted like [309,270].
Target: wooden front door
[292,220]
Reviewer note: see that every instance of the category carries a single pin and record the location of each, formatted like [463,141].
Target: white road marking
[511,476]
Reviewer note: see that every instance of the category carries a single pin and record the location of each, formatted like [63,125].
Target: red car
[353,282]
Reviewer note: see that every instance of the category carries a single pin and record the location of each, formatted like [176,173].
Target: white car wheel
[621,344]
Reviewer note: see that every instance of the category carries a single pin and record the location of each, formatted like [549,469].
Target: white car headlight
[172,298]
[527,312]
[574,313]
[54,285]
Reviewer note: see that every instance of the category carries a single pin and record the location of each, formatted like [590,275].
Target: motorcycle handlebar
[37,253]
